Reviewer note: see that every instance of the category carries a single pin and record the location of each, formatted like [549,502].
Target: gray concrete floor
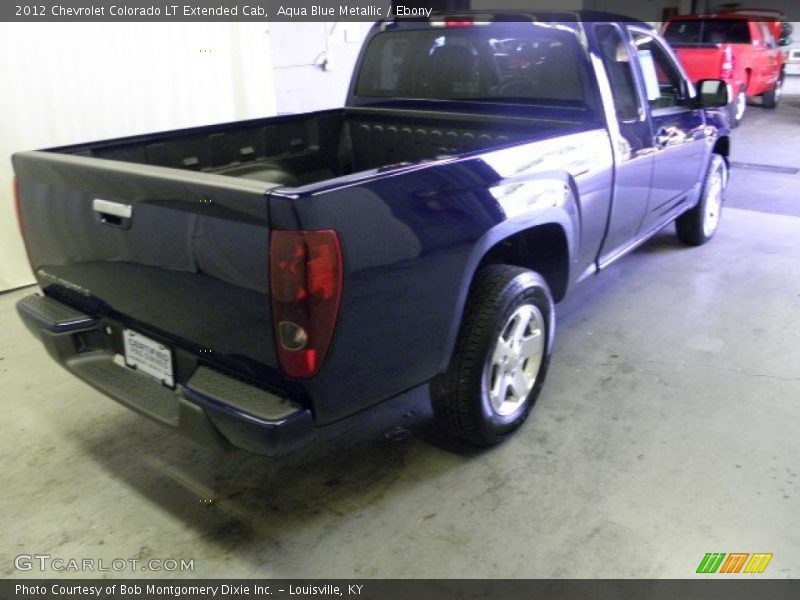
[791,84]
[669,427]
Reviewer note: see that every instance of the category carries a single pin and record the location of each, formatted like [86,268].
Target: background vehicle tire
[698,225]
[771,98]
[737,108]
[501,356]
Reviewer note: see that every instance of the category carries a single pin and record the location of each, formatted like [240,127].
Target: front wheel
[698,225]
[501,356]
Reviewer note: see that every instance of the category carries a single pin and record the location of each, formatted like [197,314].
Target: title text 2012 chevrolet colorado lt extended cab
[254,282]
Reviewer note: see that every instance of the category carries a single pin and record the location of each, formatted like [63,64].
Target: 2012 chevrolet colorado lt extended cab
[254,282]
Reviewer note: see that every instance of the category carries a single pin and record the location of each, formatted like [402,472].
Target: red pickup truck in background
[741,47]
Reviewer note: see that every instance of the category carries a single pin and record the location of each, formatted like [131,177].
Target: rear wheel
[737,108]
[501,356]
[771,98]
[697,226]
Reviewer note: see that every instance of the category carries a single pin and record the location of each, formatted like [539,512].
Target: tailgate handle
[115,214]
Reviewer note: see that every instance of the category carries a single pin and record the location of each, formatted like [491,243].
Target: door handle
[115,214]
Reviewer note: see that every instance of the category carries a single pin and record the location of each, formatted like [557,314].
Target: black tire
[737,108]
[501,297]
[773,97]
[698,225]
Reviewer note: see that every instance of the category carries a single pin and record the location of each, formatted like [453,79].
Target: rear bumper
[210,407]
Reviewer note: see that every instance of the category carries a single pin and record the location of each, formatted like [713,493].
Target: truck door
[677,129]
[632,140]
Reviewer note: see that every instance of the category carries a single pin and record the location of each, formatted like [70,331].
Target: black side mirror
[713,93]
[786,30]
[785,41]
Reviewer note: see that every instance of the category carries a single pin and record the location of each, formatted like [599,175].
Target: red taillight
[727,65]
[306,288]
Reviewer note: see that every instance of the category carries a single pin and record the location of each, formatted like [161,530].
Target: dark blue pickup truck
[252,283]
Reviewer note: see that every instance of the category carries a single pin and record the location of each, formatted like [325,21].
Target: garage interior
[643,453]
[669,428]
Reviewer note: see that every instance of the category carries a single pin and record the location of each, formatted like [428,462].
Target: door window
[664,84]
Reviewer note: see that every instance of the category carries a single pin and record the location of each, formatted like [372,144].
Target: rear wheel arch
[542,249]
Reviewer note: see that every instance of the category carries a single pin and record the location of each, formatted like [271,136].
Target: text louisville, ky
[178,591]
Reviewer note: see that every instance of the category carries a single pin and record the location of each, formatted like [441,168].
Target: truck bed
[304,149]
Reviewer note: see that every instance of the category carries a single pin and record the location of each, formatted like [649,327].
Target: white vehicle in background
[793,61]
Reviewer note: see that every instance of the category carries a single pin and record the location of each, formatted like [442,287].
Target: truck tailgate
[701,62]
[179,257]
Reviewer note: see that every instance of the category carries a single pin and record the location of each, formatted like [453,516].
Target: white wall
[70,83]
[313,63]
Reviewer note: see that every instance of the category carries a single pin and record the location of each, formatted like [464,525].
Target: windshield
[523,62]
[710,31]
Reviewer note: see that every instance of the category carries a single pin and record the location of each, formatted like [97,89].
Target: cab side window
[664,84]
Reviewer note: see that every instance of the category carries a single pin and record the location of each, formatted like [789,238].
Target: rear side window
[617,62]
[708,31]
[499,62]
